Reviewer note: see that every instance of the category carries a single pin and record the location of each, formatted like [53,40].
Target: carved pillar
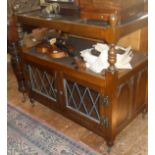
[112,58]
[111,83]
[16,64]
[12,39]
[20,34]
[16,60]
[111,110]
[19,69]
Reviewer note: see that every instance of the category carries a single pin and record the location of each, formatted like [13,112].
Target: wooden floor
[131,141]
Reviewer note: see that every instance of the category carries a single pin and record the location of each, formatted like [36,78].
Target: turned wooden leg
[16,64]
[109,145]
[29,86]
[24,97]
[112,58]
[144,112]
[32,101]
[109,149]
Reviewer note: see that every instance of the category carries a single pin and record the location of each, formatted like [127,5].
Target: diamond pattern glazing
[43,82]
[82,99]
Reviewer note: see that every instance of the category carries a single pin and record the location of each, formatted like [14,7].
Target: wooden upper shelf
[97,29]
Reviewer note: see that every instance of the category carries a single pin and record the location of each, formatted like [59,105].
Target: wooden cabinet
[104,103]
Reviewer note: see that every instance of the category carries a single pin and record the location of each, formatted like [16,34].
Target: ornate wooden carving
[20,34]
[16,60]
[16,63]
[112,58]
[112,52]
[113,20]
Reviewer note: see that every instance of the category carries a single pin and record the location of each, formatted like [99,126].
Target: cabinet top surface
[66,64]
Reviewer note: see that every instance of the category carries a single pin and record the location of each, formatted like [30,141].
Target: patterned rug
[28,136]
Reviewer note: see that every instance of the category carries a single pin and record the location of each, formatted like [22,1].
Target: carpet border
[46,125]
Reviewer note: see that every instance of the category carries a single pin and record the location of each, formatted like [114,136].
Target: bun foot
[109,144]
[24,98]
[109,149]
[32,102]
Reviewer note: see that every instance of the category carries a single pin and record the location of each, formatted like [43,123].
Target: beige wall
[138,40]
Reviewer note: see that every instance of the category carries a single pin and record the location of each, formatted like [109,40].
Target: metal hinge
[105,100]
[105,121]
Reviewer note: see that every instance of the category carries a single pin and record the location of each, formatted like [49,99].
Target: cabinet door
[42,84]
[82,103]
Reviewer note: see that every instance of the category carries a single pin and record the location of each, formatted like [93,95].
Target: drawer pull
[61,92]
